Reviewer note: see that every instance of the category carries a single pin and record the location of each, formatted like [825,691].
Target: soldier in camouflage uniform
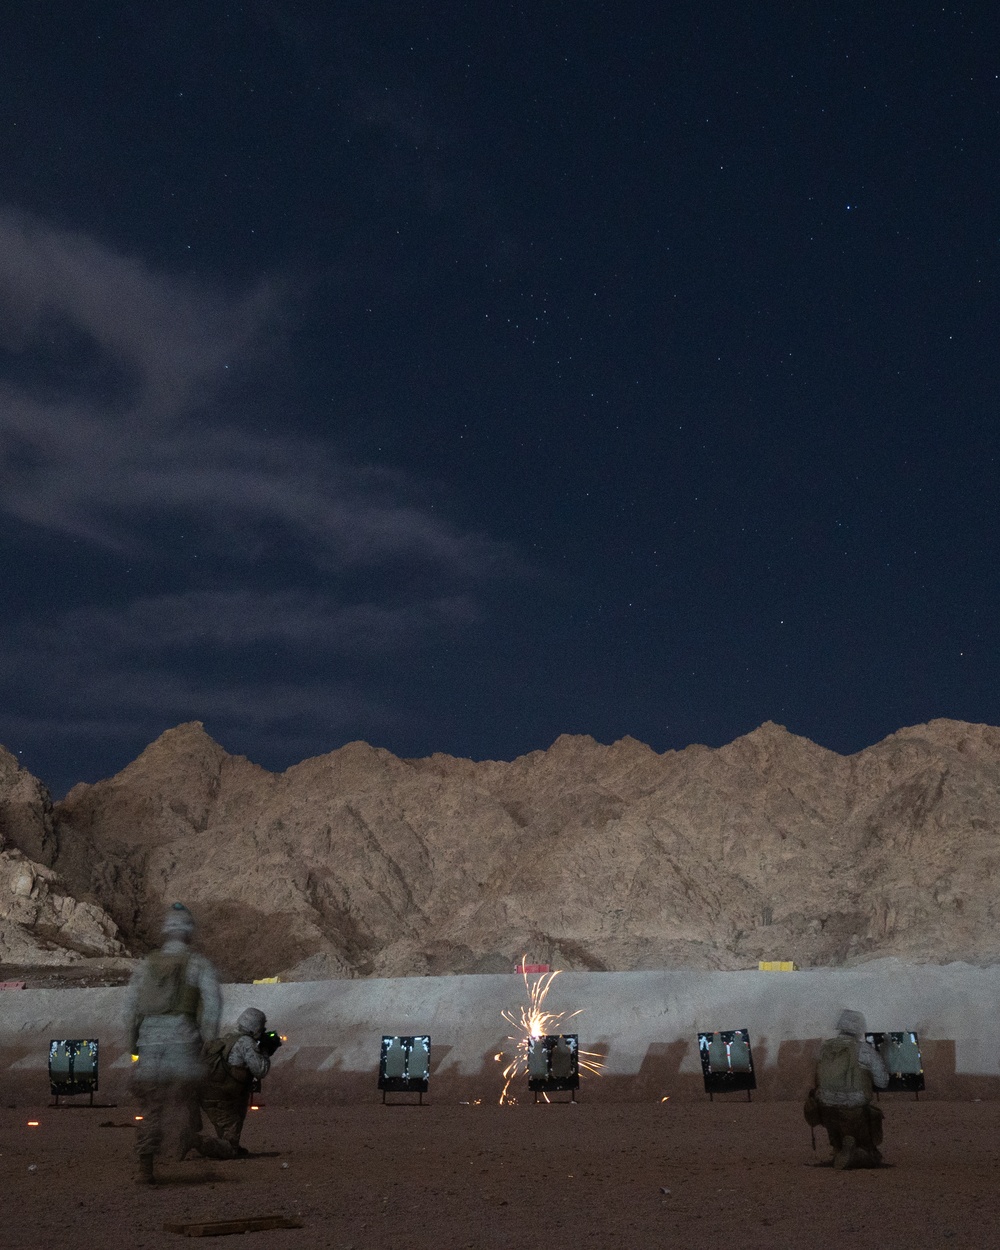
[233,1062]
[848,1071]
[172,1004]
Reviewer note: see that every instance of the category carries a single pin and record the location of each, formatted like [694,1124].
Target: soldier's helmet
[178,922]
[851,1023]
[251,1022]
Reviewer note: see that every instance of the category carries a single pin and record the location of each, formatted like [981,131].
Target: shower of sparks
[533,1020]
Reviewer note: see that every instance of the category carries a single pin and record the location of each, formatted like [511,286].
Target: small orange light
[138,1117]
[665,1099]
[284,1038]
[255,1108]
[32,1124]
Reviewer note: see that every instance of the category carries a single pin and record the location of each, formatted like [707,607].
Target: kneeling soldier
[848,1072]
[236,1063]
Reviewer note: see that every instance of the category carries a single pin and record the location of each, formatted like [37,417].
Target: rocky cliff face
[40,920]
[585,856]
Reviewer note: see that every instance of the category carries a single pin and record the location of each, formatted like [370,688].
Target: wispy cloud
[119,431]
[245,618]
[174,335]
[116,680]
[156,446]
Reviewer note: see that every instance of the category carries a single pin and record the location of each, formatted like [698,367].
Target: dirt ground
[440,1177]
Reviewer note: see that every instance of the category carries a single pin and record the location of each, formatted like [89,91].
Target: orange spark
[534,1020]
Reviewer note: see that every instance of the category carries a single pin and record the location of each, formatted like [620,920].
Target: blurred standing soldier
[233,1063]
[173,1003]
[848,1071]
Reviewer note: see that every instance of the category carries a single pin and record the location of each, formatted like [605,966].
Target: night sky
[454,376]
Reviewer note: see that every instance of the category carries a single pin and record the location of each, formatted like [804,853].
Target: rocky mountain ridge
[41,922]
[358,863]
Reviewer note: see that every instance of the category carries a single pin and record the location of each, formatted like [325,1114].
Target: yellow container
[776,965]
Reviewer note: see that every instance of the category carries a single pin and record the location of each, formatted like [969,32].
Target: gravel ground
[441,1177]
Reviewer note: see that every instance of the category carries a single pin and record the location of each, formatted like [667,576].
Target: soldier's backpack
[221,1080]
[164,990]
[839,1072]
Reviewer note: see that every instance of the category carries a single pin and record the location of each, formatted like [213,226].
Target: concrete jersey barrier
[643,1024]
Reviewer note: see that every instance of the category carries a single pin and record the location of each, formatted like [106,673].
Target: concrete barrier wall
[643,1024]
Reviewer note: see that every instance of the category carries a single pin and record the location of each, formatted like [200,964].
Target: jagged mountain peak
[184,745]
[608,856]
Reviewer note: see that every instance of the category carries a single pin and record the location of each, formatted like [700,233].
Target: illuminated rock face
[582,856]
[40,921]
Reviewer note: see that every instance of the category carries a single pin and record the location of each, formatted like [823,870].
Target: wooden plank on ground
[222,1228]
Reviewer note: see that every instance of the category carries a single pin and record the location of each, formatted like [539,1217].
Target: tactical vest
[164,990]
[223,1081]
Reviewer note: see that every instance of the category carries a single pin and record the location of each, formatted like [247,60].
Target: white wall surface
[334,1026]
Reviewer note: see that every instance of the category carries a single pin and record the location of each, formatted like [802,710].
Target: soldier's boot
[214,1147]
[870,1158]
[844,1158]
[145,1175]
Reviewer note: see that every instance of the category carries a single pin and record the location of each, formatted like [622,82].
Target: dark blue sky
[456,376]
